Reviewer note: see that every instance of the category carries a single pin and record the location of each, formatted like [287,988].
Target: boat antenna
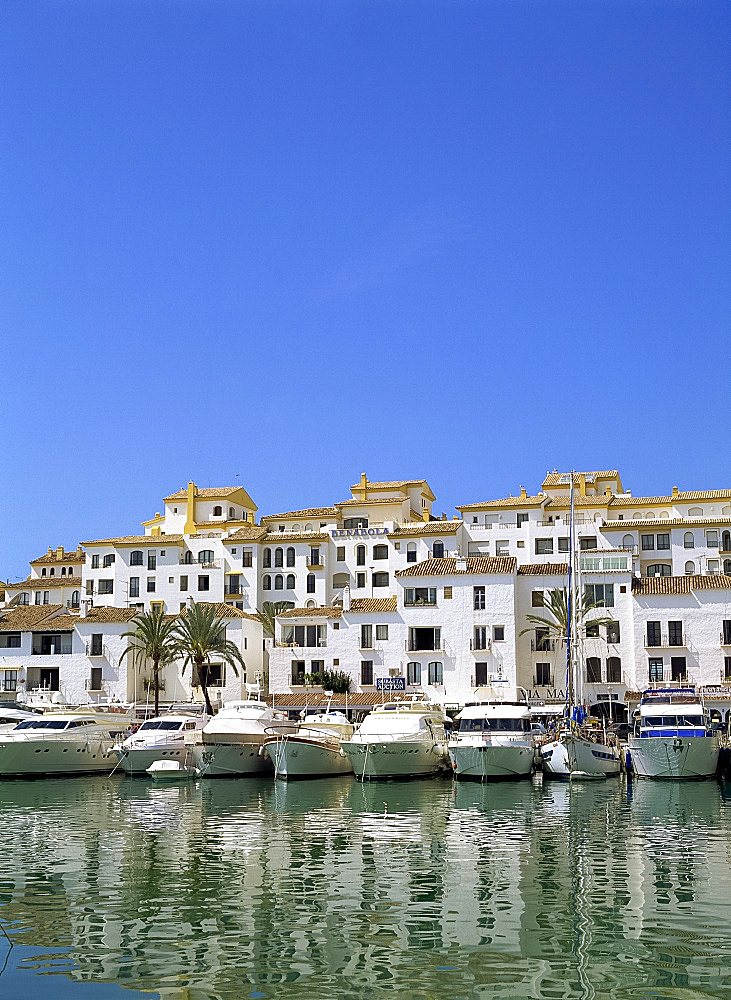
[570,609]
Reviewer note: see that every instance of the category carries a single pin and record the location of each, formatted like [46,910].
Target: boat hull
[136,761]
[674,758]
[50,758]
[300,757]
[573,756]
[485,762]
[398,759]
[230,760]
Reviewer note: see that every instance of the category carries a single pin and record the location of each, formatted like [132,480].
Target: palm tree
[556,624]
[199,634]
[268,614]
[152,636]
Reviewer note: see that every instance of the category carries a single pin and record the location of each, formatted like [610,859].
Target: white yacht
[60,743]
[401,739]
[580,755]
[231,743]
[10,717]
[313,751]
[493,741]
[673,738]
[161,738]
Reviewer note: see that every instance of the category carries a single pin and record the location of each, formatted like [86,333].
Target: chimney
[523,492]
[346,599]
[84,608]
[675,491]
[582,484]
[363,488]
[50,551]
[461,564]
[59,552]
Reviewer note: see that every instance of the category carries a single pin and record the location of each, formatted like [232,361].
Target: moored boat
[161,738]
[314,750]
[493,741]
[402,739]
[673,738]
[231,744]
[61,743]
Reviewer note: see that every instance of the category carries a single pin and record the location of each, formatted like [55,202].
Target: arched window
[435,673]
[217,511]
[232,512]
[205,556]
[727,567]
[690,568]
[411,552]
[290,556]
[266,583]
[53,571]
[628,542]
[689,540]
[726,541]
[75,597]
[267,560]
[310,604]
[360,555]
[614,670]
[593,670]
[695,512]
[135,558]
[380,551]
[659,569]
[279,557]
[310,583]
[70,571]
[278,582]
[308,527]
[63,571]
[726,509]
[341,580]
[413,673]
[664,515]
[637,515]
[290,581]
[438,549]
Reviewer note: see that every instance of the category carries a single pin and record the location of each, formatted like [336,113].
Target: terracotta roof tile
[392,485]
[481,565]
[151,541]
[307,512]
[67,557]
[564,478]
[667,522]
[520,501]
[356,503]
[327,612]
[366,605]
[212,493]
[285,537]
[61,623]
[23,617]
[427,528]
[318,699]
[45,582]
[679,497]
[107,616]
[543,569]
[647,585]
[246,533]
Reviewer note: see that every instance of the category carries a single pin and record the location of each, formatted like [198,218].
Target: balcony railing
[233,590]
[195,564]
[481,527]
[318,564]
[725,638]
[409,647]
[419,603]
[478,646]
[676,640]
[291,644]
[547,645]
[99,652]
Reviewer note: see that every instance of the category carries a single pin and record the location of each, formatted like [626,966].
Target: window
[521,518]
[217,511]
[447,593]
[413,672]
[135,558]
[366,672]
[233,584]
[355,522]
[279,582]
[690,568]
[39,597]
[480,674]
[95,562]
[663,541]
[727,668]
[678,671]
[593,670]
[205,557]
[726,632]
[89,591]
[613,636]
[544,546]
[422,638]
[290,581]
[380,579]
[381,633]
[713,567]
[188,558]
[585,544]
[246,557]
[298,672]
[675,633]
[414,596]
[479,639]
[563,545]
[614,670]
[183,582]
[380,551]
[106,586]
[267,559]
[150,584]
[435,673]
[600,595]
[360,581]
[543,674]
[278,557]
[502,548]
[216,676]
[11,640]
[478,598]
[204,583]
[43,571]
[411,552]
[232,512]
[360,555]
[438,550]
[134,586]
[266,583]
[340,553]
[310,583]
[314,559]
[592,631]
[151,560]
[655,671]
[366,637]
[648,542]
[712,539]
[498,633]
[536,599]
[653,634]
[659,569]
[75,599]
[96,644]
[290,556]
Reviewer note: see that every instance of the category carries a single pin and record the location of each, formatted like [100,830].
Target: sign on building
[390,683]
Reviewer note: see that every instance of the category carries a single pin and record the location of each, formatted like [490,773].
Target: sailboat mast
[570,610]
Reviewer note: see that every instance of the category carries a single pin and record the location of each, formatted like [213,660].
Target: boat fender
[341,752]
[372,747]
[437,750]
[260,752]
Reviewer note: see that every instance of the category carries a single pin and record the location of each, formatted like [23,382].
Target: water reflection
[342,889]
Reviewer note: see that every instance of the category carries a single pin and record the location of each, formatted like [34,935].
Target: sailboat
[575,753]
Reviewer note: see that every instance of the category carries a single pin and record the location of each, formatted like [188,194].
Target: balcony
[420,603]
[319,564]
[481,527]
[725,638]
[409,648]
[479,647]
[233,590]
[678,640]
[547,645]
[208,564]
[96,651]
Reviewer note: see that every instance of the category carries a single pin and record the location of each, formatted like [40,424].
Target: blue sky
[295,240]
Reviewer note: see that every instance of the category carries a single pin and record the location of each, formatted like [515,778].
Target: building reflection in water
[337,888]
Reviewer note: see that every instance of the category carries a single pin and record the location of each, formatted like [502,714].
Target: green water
[422,890]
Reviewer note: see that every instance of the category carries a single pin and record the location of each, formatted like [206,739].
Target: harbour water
[113,887]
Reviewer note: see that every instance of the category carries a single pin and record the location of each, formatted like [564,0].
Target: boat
[400,739]
[10,717]
[494,741]
[231,744]
[161,738]
[314,750]
[673,738]
[60,743]
[171,770]
[576,751]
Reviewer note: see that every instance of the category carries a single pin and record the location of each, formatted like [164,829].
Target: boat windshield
[168,726]
[43,724]
[494,725]
[673,721]
[388,725]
